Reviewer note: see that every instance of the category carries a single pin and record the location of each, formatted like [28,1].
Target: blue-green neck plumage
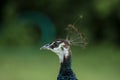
[66,64]
[66,72]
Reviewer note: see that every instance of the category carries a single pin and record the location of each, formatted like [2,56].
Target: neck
[66,64]
[66,72]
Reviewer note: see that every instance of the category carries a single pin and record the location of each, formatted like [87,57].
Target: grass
[99,62]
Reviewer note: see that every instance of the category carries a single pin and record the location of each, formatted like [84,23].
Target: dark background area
[101,19]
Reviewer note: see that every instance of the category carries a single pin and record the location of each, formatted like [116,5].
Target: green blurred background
[25,25]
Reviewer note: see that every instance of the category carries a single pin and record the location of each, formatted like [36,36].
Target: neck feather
[66,64]
[66,72]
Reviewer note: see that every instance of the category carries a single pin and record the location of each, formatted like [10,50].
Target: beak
[45,47]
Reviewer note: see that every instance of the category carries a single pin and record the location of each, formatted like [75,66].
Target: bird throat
[66,64]
[66,72]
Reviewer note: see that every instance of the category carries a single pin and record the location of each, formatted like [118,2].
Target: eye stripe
[54,44]
[58,41]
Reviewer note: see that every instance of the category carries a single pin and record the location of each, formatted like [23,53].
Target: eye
[56,44]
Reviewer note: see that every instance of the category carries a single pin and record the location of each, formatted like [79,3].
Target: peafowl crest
[62,48]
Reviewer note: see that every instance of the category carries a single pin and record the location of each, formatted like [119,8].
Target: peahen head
[60,47]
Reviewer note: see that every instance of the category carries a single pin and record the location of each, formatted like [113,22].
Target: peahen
[62,47]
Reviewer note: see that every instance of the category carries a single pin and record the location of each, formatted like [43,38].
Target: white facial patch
[61,51]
